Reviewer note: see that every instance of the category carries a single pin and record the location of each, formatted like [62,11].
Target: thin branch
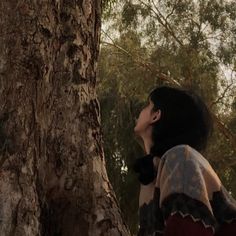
[173,9]
[147,65]
[165,24]
[225,130]
[222,95]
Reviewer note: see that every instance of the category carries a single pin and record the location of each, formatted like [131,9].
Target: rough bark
[52,169]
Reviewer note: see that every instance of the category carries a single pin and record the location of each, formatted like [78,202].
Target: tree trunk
[52,169]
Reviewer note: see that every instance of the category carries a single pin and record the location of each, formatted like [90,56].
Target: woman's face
[146,118]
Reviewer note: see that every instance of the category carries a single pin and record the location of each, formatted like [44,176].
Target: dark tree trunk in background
[52,169]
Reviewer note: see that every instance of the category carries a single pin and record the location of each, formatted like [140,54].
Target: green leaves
[129,14]
[191,42]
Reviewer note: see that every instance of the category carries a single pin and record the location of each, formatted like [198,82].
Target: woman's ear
[156,116]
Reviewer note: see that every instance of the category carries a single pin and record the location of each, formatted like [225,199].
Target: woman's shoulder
[182,150]
[174,149]
[187,155]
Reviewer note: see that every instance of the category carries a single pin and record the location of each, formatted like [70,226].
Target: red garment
[176,225]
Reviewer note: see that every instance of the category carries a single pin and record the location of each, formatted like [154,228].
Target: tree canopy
[146,43]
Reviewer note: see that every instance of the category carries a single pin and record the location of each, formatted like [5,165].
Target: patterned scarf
[183,182]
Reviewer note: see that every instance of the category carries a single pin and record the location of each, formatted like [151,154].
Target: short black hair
[185,119]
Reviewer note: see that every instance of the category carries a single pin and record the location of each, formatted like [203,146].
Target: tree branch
[165,24]
[141,62]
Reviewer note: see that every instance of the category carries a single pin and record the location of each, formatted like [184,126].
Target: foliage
[193,43]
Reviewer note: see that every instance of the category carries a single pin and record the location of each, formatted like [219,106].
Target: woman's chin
[136,130]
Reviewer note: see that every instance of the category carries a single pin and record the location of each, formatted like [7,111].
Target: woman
[180,193]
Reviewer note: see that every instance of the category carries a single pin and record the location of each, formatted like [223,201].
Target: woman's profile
[180,193]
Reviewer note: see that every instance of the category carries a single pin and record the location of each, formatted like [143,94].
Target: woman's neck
[147,145]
